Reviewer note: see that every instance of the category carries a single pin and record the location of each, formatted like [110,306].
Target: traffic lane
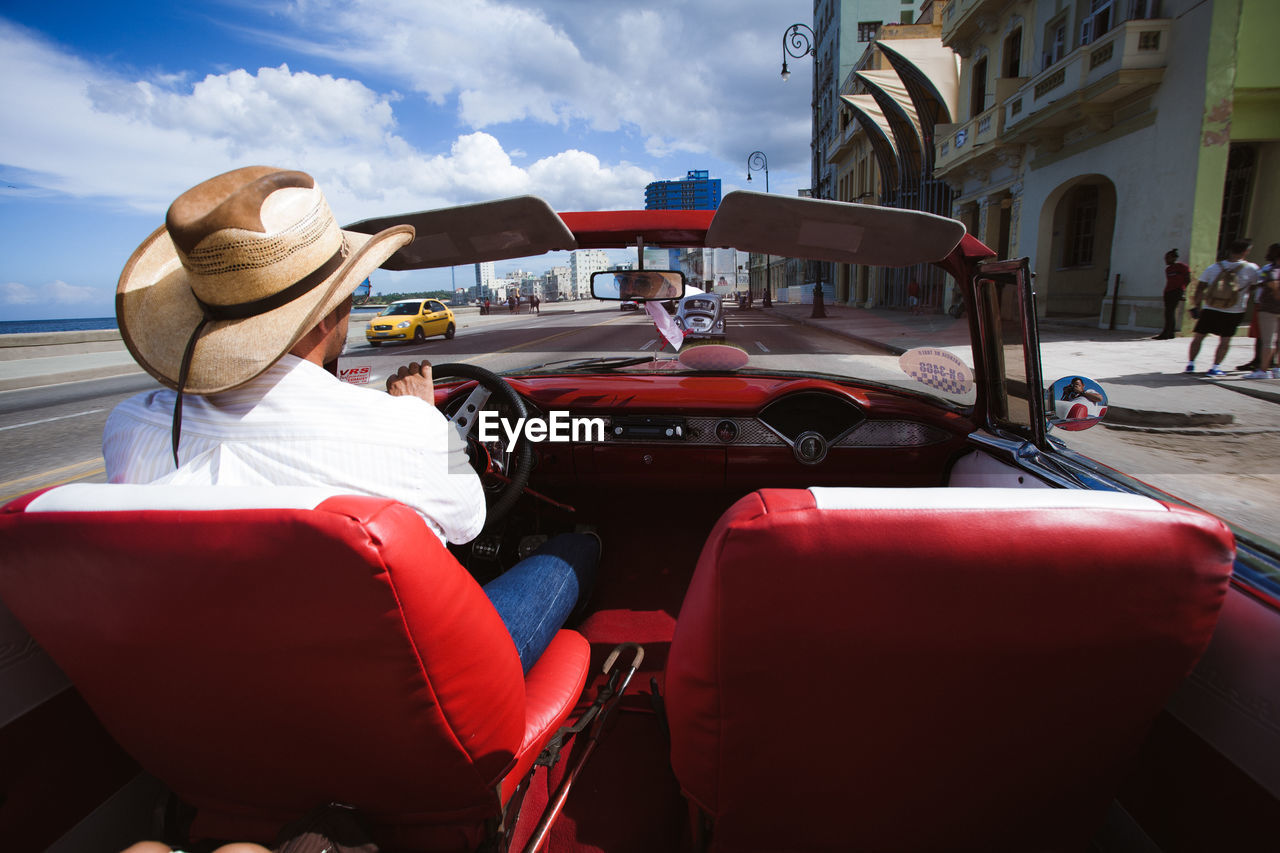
[53,434]
[521,343]
[73,417]
[24,403]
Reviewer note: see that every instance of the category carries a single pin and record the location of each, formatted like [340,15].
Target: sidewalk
[1143,378]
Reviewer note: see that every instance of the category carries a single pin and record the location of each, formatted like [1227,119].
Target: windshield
[907,331]
[400,308]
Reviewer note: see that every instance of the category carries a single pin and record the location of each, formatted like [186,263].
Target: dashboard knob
[810,447]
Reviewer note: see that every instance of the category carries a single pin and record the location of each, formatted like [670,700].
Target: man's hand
[413,380]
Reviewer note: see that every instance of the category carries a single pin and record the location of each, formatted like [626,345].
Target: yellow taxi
[411,319]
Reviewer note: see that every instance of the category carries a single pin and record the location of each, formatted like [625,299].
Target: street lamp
[755,163]
[796,44]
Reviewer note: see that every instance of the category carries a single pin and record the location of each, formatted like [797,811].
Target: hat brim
[157,313]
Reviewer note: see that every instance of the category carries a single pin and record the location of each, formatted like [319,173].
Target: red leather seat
[268,651]
[932,669]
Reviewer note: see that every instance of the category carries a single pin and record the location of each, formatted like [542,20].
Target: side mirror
[638,285]
[1074,403]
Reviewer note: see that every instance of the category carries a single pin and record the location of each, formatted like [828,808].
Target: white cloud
[55,292]
[70,294]
[15,293]
[88,132]
[688,77]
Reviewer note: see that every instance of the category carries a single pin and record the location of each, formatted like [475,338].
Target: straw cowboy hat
[244,266]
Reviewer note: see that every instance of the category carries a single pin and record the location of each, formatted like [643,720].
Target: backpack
[1223,293]
[1269,292]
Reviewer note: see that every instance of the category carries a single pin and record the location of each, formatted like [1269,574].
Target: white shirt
[298,425]
[1246,277]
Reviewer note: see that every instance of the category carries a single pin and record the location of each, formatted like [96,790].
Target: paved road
[53,434]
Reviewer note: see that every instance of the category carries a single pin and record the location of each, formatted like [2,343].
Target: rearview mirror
[638,285]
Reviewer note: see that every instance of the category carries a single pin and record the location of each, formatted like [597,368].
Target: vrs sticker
[937,368]
[354,375]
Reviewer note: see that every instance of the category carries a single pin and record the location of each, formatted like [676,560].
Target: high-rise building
[557,284]
[582,263]
[484,280]
[698,191]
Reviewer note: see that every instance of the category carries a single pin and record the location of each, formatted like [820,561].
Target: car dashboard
[737,433]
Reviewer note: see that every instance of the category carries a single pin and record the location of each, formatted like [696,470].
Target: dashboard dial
[810,447]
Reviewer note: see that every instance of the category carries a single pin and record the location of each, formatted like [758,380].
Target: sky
[110,110]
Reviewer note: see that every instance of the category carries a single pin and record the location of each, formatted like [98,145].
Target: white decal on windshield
[937,368]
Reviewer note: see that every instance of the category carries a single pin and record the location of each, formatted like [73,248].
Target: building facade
[557,285]
[1095,135]
[582,263]
[842,29]
[484,280]
[902,88]
[698,191]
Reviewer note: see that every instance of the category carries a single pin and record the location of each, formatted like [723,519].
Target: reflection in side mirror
[638,285]
[1074,403]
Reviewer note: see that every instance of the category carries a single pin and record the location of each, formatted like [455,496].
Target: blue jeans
[536,595]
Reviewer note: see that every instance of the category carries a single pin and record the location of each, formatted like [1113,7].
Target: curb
[19,383]
[809,321]
[1254,391]
[1192,430]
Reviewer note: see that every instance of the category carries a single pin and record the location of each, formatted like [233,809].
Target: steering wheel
[512,463]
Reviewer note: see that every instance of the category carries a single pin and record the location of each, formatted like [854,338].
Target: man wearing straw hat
[236,304]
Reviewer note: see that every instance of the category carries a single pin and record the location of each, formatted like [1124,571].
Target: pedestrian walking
[1177,276]
[913,296]
[534,302]
[1267,317]
[1220,301]
[486,305]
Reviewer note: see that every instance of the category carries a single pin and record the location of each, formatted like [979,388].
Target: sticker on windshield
[937,368]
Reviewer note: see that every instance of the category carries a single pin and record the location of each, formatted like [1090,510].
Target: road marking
[763,348]
[39,481]
[51,420]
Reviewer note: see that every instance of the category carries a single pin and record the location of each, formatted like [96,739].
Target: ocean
[80,324]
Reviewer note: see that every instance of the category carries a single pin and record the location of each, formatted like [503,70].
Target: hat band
[241,310]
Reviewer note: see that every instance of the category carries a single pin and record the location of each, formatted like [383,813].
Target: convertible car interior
[866,610]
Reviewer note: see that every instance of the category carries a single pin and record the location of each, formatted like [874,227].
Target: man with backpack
[1220,301]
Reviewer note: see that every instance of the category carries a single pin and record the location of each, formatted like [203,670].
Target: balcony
[958,144]
[1091,79]
[962,19]
[841,142]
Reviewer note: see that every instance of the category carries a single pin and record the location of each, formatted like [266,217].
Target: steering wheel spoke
[514,461]
[464,420]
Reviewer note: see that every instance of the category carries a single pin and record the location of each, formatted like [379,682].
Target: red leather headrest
[264,660]
[932,669]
